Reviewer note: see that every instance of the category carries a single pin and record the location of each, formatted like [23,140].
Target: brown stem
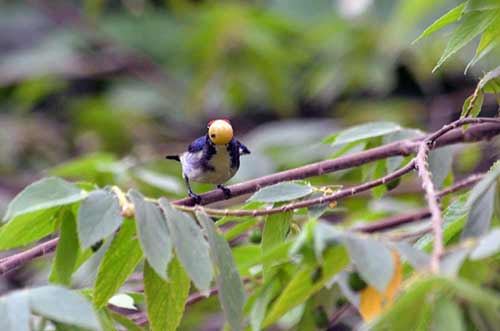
[310,202]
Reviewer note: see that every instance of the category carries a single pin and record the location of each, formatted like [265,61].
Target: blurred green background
[101,90]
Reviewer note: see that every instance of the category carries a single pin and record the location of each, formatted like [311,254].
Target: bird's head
[220,131]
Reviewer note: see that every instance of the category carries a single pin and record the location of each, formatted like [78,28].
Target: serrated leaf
[360,132]
[281,192]
[15,312]
[153,233]
[380,168]
[65,306]
[450,17]
[27,228]
[447,316]
[488,245]
[66,252]
[98,217]
[480,214]
[44,194]
[372,259]
[302,285]
[440,162]
[231,293]
[472,25]
[190,245]
[118,263]
[274,233]
[165,301]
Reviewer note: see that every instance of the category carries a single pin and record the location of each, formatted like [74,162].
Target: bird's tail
[173,157]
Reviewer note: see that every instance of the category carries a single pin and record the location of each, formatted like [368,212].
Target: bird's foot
[225,190]
[195,197]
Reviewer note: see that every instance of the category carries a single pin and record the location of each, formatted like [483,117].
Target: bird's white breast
[220,162]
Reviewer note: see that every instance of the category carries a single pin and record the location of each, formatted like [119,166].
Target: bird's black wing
[197,145]
[242,148]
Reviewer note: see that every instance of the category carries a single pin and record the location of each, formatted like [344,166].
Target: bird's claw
[225,190]
[195,197]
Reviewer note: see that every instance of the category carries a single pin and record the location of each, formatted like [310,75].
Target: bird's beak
[220,132]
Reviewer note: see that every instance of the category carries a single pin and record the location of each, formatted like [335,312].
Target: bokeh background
[101,90]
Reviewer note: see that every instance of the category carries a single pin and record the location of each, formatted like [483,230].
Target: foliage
[126,259]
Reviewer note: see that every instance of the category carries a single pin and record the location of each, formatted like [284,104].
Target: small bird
[213,158]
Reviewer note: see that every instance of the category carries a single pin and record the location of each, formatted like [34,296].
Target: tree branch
[310,202]
[484,129]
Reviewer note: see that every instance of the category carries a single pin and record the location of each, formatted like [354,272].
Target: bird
[213,158]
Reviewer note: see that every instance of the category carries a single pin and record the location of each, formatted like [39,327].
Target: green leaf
[454,217]
[452,261]
[476,108]
[275,230]
[281,192]
[415,257]
[480,214]
[153,233]
[379,171]
[473,5]
[44,194]
[15,312]
[125,322]
[450,17]
[165,301]
[472,25]
[160,181]
[231,292]
[118,263]
[440,162]
[62,305]
[190,245]
[259,307]
[488,245]
[27,228]
[372,259]
[360,132]
[489,41]
[484,185]
[490,76]
[98,217]
[66,252]
[302,286]
[92,167]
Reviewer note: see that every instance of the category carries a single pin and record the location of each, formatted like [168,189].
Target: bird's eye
[212,135]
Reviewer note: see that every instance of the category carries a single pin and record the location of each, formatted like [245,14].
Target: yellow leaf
[373,302]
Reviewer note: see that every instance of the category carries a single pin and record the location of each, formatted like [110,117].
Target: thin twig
[310,202]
